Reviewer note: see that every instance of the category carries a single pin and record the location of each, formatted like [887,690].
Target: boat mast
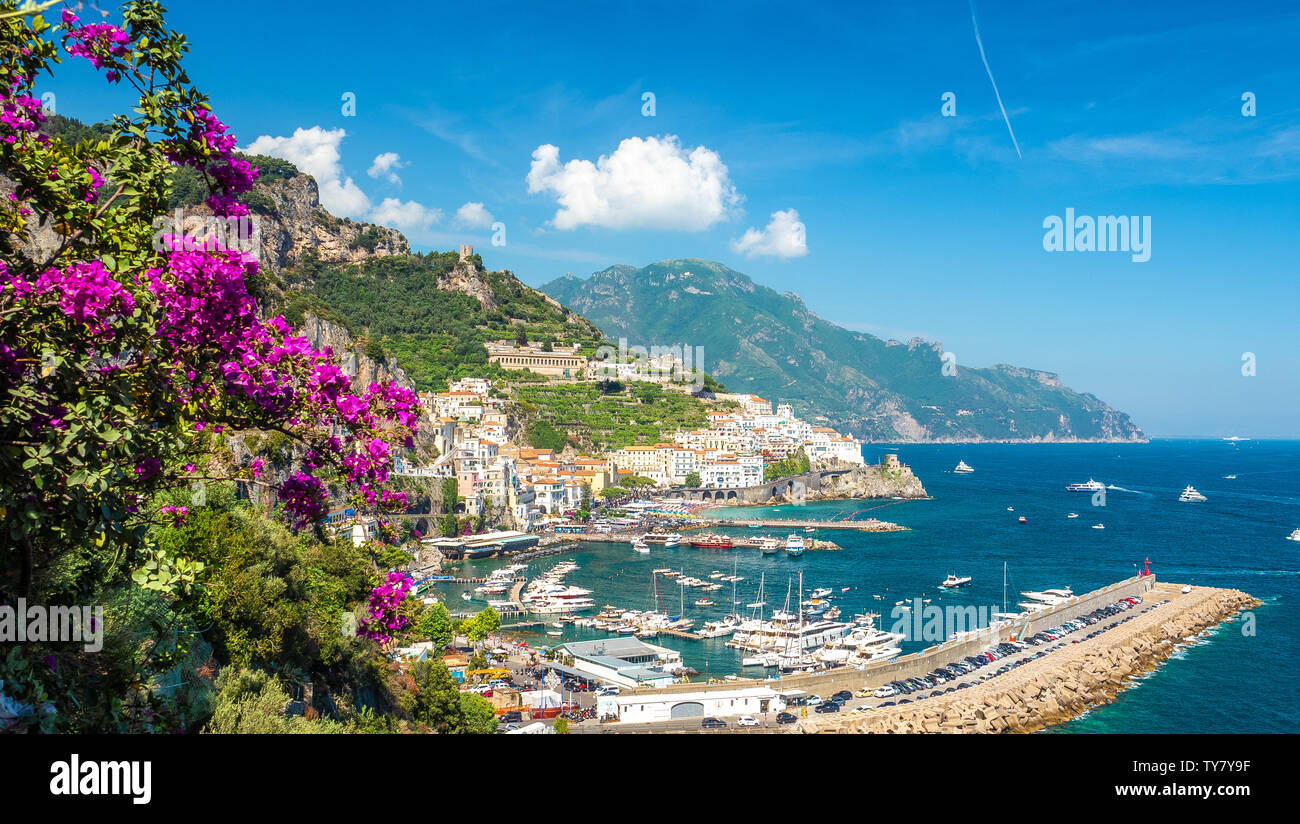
[1004,586]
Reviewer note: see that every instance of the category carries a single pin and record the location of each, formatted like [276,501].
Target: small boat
[1190,494]
[1098,526]
[641,546]
[1011,509]
[820,592]
[1230,477]
[1294,536]
[952,581]
[1023,519]
[466,596]
[809,529]
[1072,515]
[846,589]
[963,468]
[794,545]
[705,602]
[554,633]
[1186,589]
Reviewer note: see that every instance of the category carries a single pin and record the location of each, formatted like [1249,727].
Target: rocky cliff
[881,481]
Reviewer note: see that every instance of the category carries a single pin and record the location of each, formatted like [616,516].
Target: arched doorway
[687,709]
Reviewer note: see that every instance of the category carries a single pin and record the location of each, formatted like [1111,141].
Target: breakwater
[1063,684]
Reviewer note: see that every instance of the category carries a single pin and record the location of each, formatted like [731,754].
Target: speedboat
[465,595]
[1098,526]
[1090,486]
[953,581]
[1023,519]
[794,544]
[1072,515]
[963,468]
[1294,536]
[1230,477]
[1190,494]
[705,602]
[641,546]
[820,592]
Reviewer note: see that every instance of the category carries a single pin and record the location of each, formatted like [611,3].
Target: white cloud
[785,237]
[645,183]
[407,216]
[473,216]
[386,165]
[316,152]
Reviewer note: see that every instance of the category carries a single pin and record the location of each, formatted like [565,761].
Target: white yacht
[1190,494]
[1072,515]
[820,592]
[641,546]
[1049,597]
[963,468]
[668,539]
[762,659]
[1294,536]
[717,629]
[794,544]
[952,581]
[1090,486]
[769,545]
[1098,526]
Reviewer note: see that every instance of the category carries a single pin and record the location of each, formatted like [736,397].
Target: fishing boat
[1191,495]
[794,544]
[711,541]
[952,581]
[963,468]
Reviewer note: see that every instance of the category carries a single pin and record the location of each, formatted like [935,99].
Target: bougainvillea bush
[124,361]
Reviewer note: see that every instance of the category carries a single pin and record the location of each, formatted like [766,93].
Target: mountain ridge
[774,345]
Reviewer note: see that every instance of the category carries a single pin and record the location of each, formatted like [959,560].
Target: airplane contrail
[996,94]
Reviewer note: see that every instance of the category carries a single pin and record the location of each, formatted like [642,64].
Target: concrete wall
[925,661]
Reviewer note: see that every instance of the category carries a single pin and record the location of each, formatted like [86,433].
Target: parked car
[827,706]
[512,717]
[747,721]
[713,724]
[785,718]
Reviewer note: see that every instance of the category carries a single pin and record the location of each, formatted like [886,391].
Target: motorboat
[952,581]
[763,659]
[641,546]
[1090,486]
[1186,589]
[1294,536]
[668,539]
[820,592]
[963,468]
[1023,519]
[794,544]
[1098,526]
[769,545]
[711,541]
[1072,515]
[1191,495]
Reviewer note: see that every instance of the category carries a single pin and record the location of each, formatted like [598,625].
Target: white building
[634,708]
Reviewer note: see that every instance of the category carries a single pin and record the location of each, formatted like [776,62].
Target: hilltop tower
[466,252]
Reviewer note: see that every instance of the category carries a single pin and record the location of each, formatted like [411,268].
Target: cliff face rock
[297,223]
[881,481]
[1064,684]
[361,368]
[469,276]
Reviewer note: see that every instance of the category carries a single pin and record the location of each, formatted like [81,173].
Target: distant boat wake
[1125,489]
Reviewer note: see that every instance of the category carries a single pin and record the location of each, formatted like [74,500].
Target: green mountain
[756,340]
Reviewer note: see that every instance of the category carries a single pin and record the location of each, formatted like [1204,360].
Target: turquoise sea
[1227,682]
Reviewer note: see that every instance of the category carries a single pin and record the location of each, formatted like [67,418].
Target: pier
[867,525]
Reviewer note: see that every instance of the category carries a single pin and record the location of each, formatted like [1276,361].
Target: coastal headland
[1061,685]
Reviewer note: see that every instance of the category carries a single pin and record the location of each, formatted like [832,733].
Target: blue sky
[913,223]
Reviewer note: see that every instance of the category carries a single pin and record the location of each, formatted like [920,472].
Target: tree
[435,626]
[611,492]
[437,702]
[483,624]
[543,435]
[477,715]
[561,726]
[636,482]
[693,479]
